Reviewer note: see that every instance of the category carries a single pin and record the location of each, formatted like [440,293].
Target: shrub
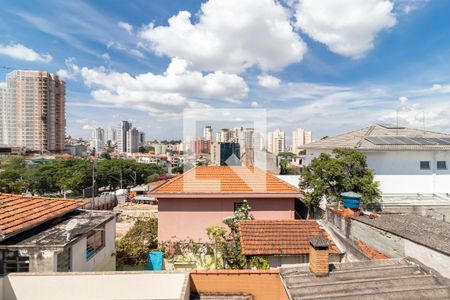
[133,247]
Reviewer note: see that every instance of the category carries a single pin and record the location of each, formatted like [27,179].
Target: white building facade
[399,167]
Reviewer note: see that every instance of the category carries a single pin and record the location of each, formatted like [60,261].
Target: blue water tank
[351,200]
[154,261]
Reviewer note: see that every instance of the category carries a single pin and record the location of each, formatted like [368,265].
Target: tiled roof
[225,180]
[19,213]
[357,139]
[280,237]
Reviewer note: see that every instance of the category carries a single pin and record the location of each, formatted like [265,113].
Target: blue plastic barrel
[154,261]
[351,200]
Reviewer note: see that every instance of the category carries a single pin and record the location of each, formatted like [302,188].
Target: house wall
[390,244]
[182,218]
[399,171]
[104,260]
[96,285]
[261,284]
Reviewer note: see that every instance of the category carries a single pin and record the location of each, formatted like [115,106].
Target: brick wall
[261,284]
[318,261]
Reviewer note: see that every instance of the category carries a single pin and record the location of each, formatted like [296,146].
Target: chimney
[318,255]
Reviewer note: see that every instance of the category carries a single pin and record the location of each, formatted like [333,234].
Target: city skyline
[321,84]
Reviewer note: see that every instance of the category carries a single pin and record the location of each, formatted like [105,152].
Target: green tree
[233,255]
[328,176]
[133,247]
[12,171]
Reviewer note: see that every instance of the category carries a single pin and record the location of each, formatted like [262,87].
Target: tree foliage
[328,176]
[141,238]
[71,174]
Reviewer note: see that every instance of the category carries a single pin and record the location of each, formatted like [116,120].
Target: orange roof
[281,237]
[226,180]
[19,213]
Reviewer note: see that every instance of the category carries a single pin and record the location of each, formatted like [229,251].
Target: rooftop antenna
[396,127]
[423,121]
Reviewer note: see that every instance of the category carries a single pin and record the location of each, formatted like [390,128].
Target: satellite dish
[71,225]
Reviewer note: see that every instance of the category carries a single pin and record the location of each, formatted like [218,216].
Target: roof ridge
[176,178]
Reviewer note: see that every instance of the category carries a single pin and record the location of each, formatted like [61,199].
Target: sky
[329,66]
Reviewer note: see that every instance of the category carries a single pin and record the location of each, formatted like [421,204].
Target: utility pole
[93,178]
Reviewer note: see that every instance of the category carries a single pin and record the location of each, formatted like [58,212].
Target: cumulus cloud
[230,35]
[254,104]
[347,27]
[125,26]
[19,51]
[268,81]
[71,71]
[167,93]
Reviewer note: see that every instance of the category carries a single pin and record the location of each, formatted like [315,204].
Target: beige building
[300,137]
[276,142]
[33,111]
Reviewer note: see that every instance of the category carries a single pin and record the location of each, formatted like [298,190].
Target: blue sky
[326,65]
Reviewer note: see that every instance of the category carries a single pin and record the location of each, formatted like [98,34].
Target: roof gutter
[227,195]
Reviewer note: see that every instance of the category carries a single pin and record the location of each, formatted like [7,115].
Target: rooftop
[60,231]
[280,237]
[371,279]
[19,213]
[383,137]
[422,230]
[226,180]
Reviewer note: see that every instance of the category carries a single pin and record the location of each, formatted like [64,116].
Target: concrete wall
[433,259]
[104,260]
[261,284]
[399,171]
[390,244]
[188,218]
[84,286]
[41,260]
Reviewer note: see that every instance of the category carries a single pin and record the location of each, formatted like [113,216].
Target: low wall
[261,284]
[390,244]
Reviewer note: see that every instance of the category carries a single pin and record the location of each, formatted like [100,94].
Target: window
[11,262]
[425,165]
[95,242]
[441,165]
[237,205]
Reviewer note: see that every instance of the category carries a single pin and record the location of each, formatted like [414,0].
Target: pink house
[204,196]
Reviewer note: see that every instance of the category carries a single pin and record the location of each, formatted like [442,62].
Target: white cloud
[106,57]
[2,84]
[71,70]
[125,26]
[403,100]
[254,104]
[162,94]
[230,35]
[268,81]
[19,51]
[136,52]
[122,48]
[347,27]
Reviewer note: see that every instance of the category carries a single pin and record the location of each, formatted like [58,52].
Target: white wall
[399,171]
[104,260]
[84,286]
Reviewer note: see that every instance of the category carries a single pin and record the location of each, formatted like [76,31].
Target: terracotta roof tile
[18,213]
[215,179]
[280,237]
